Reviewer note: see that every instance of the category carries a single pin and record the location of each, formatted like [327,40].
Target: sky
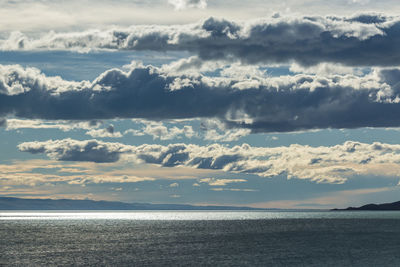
[271,104]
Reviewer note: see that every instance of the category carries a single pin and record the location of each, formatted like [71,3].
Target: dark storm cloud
[276,104]
[361,40]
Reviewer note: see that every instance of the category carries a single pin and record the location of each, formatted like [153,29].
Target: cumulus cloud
[210,129]
[74,150]
[361,40]
[106,132]
[333,164]
[270,104]
[159,131]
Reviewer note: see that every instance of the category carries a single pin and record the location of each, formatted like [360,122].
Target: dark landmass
[11,203]
[385,206]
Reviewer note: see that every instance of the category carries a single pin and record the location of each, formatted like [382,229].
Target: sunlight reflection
[187,215]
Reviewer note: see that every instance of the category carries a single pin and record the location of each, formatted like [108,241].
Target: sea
[199,238]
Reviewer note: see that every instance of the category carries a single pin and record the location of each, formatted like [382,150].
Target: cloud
[333,164]
[214,130]
[233,189]
[159,131]
[271,104]
[104,178]
[174,185]
[43,15]
[3,122]
[106,132]
[65,126]
[73,150]
[36,172]
[362,2]
[227,136]
[361,40]
[326,69]
[220,182]
[184,4]
[15,124]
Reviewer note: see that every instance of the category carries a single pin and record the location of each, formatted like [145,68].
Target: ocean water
[199,238]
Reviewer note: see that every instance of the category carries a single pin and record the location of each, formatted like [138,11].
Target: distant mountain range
[10,203]
[385,206]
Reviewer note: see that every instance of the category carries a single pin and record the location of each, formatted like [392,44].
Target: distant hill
[385,206]
[10,203]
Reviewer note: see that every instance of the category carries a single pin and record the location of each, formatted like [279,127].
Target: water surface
[200,238]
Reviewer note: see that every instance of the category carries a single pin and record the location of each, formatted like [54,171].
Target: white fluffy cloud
[105,132]
[159,131]
[334,164]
